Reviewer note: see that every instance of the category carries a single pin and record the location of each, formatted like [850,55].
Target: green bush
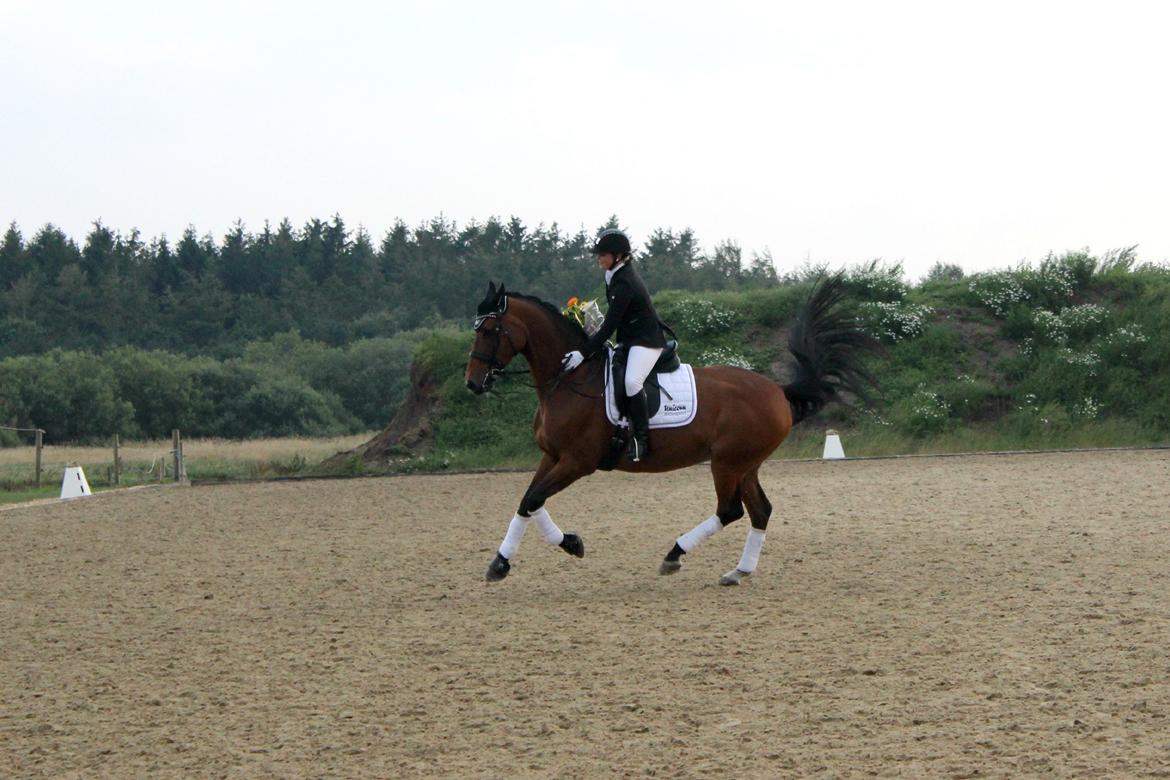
[72,395]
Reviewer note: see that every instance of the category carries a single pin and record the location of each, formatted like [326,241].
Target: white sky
[977,133]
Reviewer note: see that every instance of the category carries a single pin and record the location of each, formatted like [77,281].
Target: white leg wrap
[694,537]
[516,530]
[544,522]
[751,551]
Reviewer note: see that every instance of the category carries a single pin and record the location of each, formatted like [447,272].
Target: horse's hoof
[498,569]
[734,577]
[573,545]
[669,567]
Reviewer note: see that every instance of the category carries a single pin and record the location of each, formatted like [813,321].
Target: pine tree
[97,256]
[13,260]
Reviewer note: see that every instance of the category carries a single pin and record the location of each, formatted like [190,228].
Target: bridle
[496,368]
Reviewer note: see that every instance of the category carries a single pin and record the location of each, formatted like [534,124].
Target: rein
[498,369]
[556,381]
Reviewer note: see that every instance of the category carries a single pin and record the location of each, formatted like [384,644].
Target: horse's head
[499,337]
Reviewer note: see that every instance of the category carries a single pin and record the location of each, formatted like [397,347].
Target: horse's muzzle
[481,388]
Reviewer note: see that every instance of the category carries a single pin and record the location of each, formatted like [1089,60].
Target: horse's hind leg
[728,509]
[551,477]
[759,509]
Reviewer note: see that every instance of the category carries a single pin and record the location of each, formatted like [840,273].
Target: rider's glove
[572,360]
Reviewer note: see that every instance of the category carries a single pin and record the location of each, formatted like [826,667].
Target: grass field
[150,461]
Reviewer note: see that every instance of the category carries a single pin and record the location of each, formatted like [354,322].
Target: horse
[742,416]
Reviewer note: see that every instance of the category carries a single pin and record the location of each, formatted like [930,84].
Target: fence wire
[138,465]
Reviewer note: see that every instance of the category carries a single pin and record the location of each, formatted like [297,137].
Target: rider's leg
[639,365]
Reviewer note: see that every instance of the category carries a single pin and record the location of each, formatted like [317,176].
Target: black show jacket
[630,313]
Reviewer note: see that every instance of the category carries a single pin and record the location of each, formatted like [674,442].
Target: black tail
[829,350]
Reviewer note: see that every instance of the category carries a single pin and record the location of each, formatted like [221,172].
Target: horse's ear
[491,290]
[501,291]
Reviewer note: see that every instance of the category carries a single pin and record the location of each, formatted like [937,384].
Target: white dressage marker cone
[833,449]
[74,484]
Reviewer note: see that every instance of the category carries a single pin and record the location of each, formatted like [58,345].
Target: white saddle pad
[680,401]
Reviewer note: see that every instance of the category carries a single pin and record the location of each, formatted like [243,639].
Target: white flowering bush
[1088,360]
[1124,340]
[999,291]
[1048,327]
[1084,321]
[874,417]
[878,284]
[1055,281]
[722,356]
[925,412]
[1075,323]
[698,316]
[893,321]
[1087,408]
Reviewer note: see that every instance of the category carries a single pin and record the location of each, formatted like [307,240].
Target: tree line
[326,281]
[284,386]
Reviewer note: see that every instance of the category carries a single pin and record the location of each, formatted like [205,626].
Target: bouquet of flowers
[584,313]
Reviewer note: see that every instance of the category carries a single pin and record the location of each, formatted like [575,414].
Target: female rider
[632,315]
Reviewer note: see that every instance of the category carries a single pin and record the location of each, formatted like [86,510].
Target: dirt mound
[407,435]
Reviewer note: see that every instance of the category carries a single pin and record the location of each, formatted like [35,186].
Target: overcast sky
[979,133]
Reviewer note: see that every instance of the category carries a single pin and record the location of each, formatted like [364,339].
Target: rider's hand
[572,360]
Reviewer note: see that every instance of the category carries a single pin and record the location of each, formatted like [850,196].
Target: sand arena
[982,616]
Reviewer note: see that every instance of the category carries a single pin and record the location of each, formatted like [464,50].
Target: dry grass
[151,461]
[212,449]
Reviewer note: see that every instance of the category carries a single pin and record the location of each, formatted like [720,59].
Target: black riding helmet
[612,241]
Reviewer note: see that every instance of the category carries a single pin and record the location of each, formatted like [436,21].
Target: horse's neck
[545,350]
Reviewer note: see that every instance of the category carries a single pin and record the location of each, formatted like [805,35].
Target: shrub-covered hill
[1071,353]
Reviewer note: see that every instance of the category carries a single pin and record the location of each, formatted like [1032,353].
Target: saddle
[667,362]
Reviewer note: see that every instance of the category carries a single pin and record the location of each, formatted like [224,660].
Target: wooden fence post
[40,447]
[117,463]
[177,447]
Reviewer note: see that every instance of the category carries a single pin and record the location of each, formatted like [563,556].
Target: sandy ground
[982,616]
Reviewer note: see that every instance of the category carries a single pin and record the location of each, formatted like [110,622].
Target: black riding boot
[639,427]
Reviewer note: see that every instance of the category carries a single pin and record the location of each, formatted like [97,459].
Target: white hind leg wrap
[516,530]
[751,551]
[544,522]
[694,537]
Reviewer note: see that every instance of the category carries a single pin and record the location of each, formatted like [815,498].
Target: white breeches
[638,366]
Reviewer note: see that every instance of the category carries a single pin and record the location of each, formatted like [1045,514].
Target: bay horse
[742,416]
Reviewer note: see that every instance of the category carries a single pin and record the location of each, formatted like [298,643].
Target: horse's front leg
[552,476]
